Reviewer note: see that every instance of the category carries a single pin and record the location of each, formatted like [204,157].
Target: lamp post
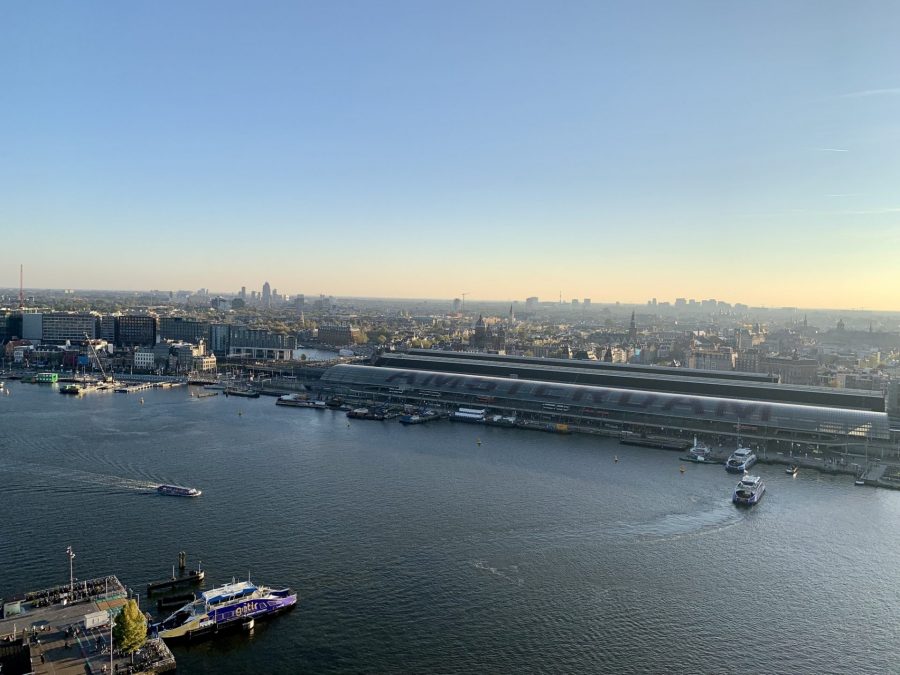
[71,554]
[111,645]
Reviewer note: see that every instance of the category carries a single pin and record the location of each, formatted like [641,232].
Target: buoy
[681,468]
[240,412]
[478,441]
[142,400]
[616,459]
[348,424]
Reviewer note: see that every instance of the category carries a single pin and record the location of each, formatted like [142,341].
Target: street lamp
[71,554]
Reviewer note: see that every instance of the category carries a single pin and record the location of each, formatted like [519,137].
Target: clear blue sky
[746,151]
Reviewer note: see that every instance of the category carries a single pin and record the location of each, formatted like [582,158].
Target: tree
[130,628]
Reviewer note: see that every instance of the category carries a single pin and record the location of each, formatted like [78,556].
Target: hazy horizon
[745,152]
[566,302]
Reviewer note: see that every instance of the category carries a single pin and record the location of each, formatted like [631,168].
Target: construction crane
[90,342]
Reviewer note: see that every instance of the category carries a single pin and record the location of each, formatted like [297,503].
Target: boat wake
[509,574]
[55,476]
[675,525]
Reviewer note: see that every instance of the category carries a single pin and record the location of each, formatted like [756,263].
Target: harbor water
[419,549]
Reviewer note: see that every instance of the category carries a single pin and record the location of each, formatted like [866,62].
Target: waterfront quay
[66,629]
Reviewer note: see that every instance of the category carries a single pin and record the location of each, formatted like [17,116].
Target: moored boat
[178,491]
[471,415]
[699,451]
[377,413]
[748,491]
[298,401]
[419,418]
[241,391]
[507,421]
[740,460]
[223,607]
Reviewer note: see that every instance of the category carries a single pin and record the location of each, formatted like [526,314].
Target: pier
[67,629]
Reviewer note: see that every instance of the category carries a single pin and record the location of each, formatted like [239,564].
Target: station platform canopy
[601,403]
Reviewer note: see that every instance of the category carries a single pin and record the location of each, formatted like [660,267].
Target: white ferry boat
[740,460]
[178,491]
[748,491]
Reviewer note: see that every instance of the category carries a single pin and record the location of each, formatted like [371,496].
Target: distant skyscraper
[243,292]
[587,302]
[457,303]
[531,304]
[267,295]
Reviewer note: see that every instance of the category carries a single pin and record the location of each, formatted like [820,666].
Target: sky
[744,151]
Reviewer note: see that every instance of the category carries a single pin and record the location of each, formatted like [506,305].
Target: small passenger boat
[178,491]
[792,469]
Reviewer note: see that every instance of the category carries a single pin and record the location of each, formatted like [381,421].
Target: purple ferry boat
[224,607]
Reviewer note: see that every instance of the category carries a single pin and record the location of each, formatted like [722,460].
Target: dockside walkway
[45,631]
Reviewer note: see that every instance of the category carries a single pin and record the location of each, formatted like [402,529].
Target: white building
[144,359]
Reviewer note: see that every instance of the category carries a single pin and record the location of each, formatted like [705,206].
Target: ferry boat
[74,389]
[298,401]
[740,460]
[699,451]
[178,491]
[420,417]
[366,414]
[471,415]
[748,491]
[241,391]
[223,607]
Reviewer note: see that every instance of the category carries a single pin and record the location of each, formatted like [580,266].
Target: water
[414,549]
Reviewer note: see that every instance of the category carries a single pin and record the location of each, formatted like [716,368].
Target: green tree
[130,629]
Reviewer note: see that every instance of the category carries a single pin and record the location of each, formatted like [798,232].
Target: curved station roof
[649,378]
[588,401]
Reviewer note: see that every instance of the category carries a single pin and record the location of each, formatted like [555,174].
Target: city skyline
[738,152]
[256,295]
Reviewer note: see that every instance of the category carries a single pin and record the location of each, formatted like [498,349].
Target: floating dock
[174,601]
[661,442]
[192,578]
